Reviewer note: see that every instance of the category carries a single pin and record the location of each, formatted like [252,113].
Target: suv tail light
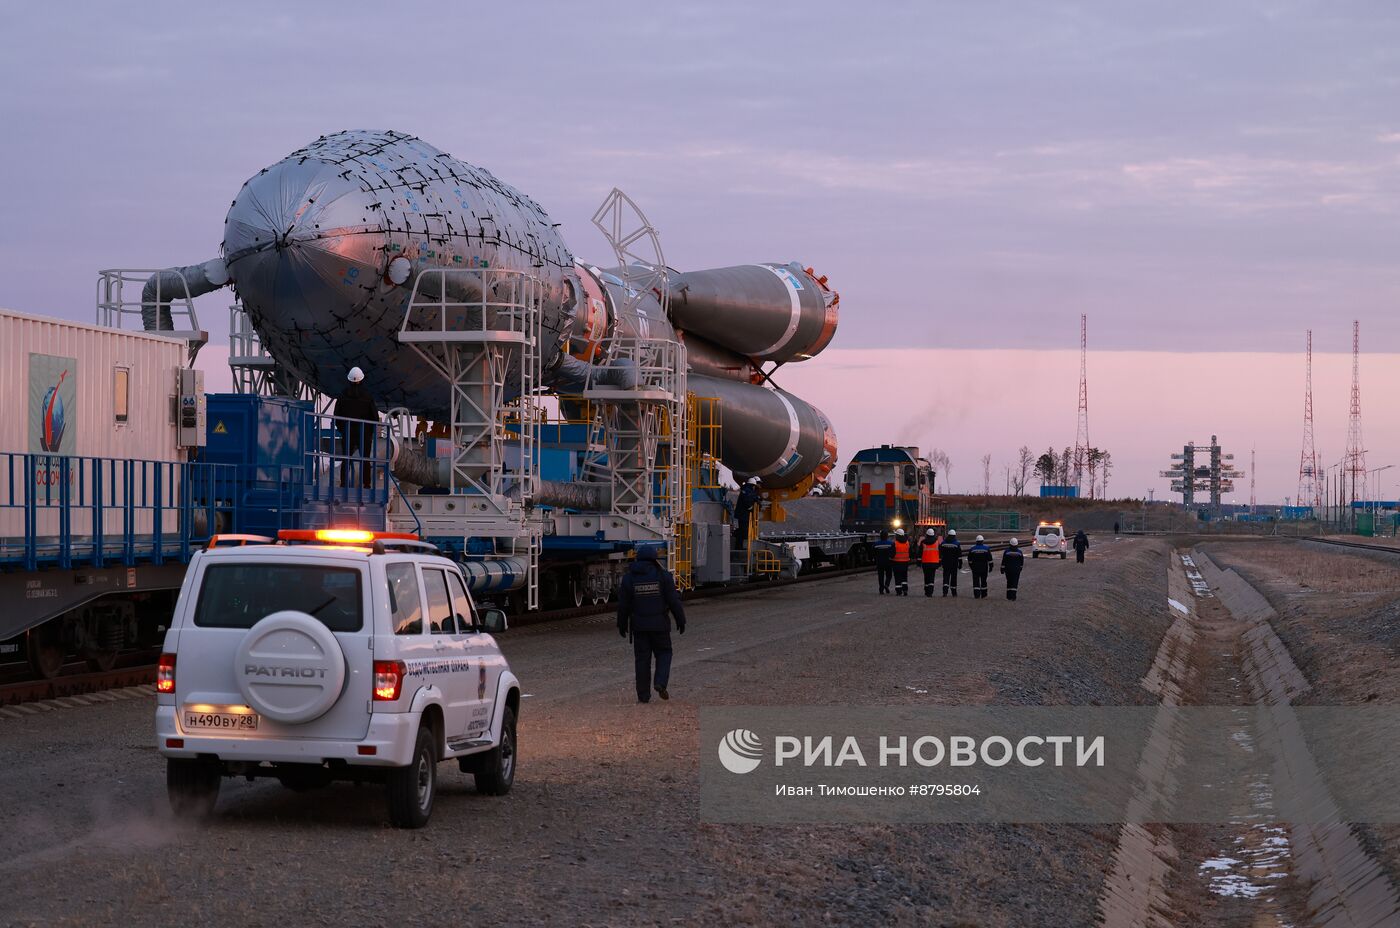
[388,680]
[165,674]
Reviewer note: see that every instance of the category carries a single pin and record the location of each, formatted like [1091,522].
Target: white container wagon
[113,390]
[92,395]
[94,436]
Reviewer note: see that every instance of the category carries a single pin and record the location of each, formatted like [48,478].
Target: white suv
[332,655]
[1050,539]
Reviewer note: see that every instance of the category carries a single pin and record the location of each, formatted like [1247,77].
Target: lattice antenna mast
[1309,484]
[1252,482]
[1356,450]
[1081,437]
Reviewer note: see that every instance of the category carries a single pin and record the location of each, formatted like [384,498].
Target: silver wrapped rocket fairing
[323,249]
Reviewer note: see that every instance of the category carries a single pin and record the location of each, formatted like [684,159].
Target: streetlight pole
[1375,500]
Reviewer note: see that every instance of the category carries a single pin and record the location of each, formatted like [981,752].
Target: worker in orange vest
[928,558]
[901,563]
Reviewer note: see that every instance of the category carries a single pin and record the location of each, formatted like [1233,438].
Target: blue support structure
[275,464]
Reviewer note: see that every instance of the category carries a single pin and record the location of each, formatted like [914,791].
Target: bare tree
[1065,467]
[1025,461]
[938,459]
[1006,470]
[1046,466]
[1105,465]
[1091,462]
[986,475]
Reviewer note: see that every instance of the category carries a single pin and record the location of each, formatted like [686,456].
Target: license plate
[220,721]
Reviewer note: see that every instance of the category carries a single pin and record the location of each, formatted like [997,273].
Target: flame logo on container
[52,421]
[740,751]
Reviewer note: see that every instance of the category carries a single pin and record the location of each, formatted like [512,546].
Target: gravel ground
[602,826]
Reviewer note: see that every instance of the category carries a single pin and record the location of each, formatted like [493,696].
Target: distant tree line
[1057,469]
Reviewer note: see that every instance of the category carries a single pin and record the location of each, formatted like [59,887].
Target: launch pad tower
[1202,469]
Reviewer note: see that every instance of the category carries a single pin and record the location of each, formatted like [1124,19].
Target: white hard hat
[952,531]
[1014,542]
[899,532]
[355,375]
[979,537]
[930,533]
[752,480]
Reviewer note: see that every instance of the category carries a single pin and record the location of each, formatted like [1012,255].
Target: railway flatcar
[890,487]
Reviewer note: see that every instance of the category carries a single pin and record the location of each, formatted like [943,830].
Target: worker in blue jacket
[1012,560]
[979,561]
[950,557]
[647,599]
[883,551]
[749,495]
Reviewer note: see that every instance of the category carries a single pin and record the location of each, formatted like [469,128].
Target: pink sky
[1143,405]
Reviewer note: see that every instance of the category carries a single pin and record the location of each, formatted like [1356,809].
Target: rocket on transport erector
[323,248]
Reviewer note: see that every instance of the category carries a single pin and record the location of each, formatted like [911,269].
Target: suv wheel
[411,789]
[193,786]
[497,771]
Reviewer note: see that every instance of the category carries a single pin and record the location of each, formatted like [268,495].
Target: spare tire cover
[290,667]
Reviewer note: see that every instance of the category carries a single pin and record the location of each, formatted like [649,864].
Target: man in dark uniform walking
[979,561]
[1012,560]
[884,556]
[950,557]
[645,597]
[1081,544]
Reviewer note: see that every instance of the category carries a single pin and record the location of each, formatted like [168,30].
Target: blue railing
[66,511]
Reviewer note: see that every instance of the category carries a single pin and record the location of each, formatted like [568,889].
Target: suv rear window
[240,595]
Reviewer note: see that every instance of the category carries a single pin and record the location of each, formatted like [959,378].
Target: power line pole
[1251,481]
[1309,486]
[1356,451]
[1081,437]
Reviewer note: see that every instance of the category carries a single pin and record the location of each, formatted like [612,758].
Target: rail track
[1350,544]
[139,667]
[141,670]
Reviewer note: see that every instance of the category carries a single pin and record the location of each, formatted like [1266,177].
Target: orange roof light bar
[342,536]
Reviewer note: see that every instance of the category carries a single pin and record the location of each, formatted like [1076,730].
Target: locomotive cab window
[909,478]
[121,394]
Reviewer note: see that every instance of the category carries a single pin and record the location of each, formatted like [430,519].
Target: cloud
[1245,182]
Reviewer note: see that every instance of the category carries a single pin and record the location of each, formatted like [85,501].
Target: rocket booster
[324,248]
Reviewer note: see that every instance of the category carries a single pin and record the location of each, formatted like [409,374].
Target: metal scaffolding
[171,310]
[254,370]
[479,328]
